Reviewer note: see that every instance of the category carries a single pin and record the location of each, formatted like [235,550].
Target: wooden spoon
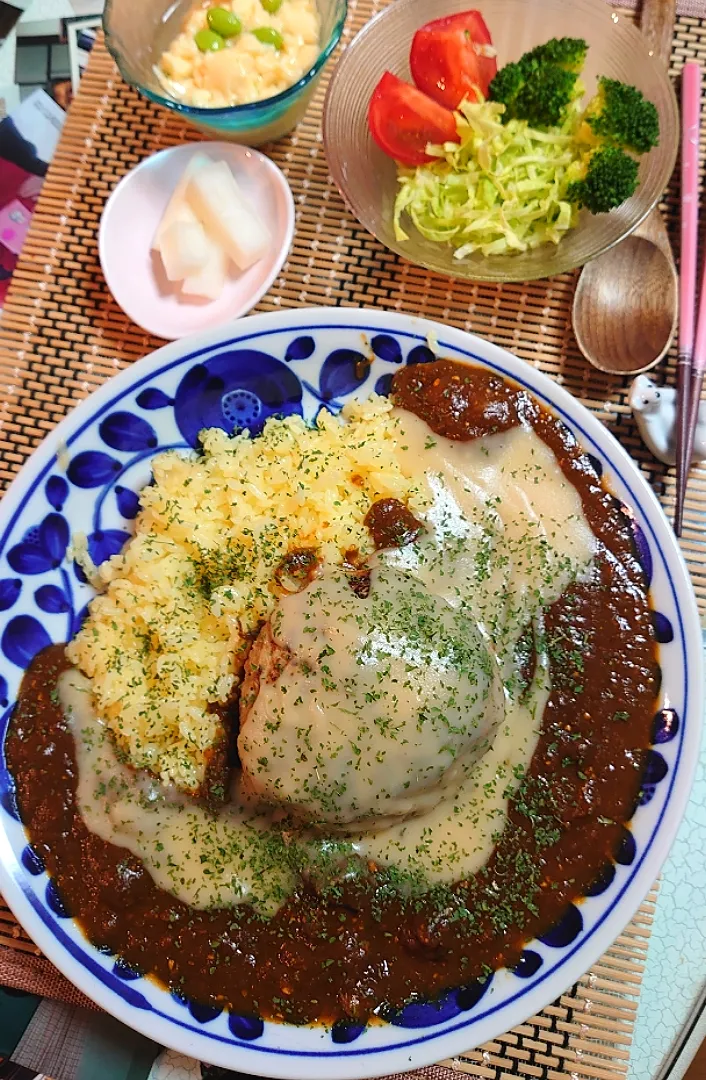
[625,305]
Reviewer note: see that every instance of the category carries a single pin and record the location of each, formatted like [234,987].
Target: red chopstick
[689,384]
[696,385]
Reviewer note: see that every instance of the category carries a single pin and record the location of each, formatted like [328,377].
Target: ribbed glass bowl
[137,33]
[367,178]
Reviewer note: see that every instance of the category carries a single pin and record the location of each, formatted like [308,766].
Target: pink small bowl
[134,272]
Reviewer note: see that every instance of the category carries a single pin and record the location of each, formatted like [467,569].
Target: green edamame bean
[269,36]
[271,6]
[223,22]
[208,41]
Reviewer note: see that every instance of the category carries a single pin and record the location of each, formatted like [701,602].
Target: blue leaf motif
[300,349]
[52,599]
[91,469]
[642,548]
[3,692]
[22,639]
[127,432]
[29,558]
[10,589]
[55,901]
[665,725]
[566,930]
[596,465]
[421,1014]
[32,861]
[56,490]
[387,348]
[602,882]
[343,371]
[383,385]
[128,502]
[204,1013]
[656,768]
[528,965]
[420,354]
[245,1027]
[664,631]
[627,849]
[8,801]
[123,971]
[469,996]
[344,1032]
[79,619]
[54,537]
[152,398]
[106,542]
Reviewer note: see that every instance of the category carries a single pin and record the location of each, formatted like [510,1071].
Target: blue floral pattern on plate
[293,363]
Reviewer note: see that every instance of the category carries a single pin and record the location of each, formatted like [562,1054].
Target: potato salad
[241,51]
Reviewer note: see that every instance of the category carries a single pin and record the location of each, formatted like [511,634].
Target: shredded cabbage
[497,191]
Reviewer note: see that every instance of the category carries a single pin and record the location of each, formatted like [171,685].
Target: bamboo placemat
[62,335]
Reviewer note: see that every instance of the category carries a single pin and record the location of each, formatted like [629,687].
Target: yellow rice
[162,639]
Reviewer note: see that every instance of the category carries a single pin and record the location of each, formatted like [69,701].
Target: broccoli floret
[541,86]
[604,179]
[569,53]
[543,100]
[506,85]
[621,115]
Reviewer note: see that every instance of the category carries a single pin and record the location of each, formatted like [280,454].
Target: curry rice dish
[327,747]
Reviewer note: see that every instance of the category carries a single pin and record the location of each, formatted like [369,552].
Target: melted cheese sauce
[506,529]
[385,701]
[205,859]
[505,536]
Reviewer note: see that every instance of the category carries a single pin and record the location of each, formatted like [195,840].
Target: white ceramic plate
[294,362]
[134,272]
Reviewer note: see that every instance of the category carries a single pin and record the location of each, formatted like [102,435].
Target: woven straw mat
[62,335]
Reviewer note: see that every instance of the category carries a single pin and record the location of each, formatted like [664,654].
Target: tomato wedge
[403,120]
[449,58]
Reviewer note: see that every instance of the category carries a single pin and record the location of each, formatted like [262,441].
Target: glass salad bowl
[367,178]
[137,35]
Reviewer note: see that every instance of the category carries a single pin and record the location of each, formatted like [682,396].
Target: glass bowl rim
[229,110]
[473,273]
